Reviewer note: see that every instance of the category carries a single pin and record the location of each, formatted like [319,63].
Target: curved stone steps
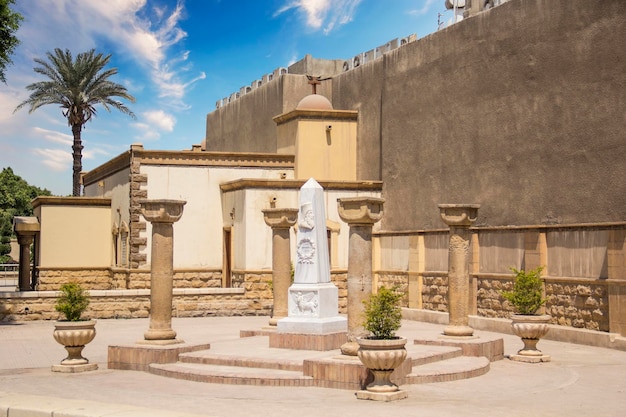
[207,357]
[454,369]
[233,375]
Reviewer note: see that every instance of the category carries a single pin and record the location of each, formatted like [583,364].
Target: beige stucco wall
[76,235]
[326,154]
[198,234]
[252,248]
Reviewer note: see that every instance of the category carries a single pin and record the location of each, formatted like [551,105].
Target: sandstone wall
[120,278]
[251,295]
[397,280]
[574,303]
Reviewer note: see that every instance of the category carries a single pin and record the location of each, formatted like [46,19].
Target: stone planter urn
[74,335]
[530,328]
[382,356]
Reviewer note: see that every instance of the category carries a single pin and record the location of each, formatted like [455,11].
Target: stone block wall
[574,303]
[489,300]
[340,279]
[121,279]
[93,279]
[396,279]
[435,292]
[578,304]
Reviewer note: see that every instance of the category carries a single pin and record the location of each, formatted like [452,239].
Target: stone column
[360,213]
[459,217]
[25,228]
[161,214]
[280,220]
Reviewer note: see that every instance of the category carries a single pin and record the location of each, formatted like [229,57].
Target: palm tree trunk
[77,147]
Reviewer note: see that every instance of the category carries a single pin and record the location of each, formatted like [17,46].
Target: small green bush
[383,314]
[527,292]
[72,302]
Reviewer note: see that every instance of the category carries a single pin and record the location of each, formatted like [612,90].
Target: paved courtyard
[579,381]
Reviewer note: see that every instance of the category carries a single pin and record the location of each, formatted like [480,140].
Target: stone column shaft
[280,220]
[161,283]
[162,214]
[359,277]
[24,274]
[459,217]
[360,213]
[25,228]
[281,271]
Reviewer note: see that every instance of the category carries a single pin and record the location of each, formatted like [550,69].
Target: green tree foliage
[77,86]
[527,293]
[15,197]
[72,301]
[383,313]
[9,23]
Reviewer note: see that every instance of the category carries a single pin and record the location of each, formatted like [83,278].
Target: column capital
[26,225]
[459,215]
[280,218]
[162,211]
[360,210]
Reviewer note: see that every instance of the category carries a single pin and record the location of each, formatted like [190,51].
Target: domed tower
[322,139]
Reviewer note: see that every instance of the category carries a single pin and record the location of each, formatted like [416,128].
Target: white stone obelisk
[313,299]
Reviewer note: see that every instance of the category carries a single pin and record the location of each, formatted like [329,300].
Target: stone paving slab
[579,381]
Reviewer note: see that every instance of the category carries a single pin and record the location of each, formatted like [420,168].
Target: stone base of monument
[137,357]
[381,396]
[302,341]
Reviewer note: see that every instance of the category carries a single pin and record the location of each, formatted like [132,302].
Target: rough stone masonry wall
[398,280]
[435,292]
[576,303]
[120,279]
[39,305]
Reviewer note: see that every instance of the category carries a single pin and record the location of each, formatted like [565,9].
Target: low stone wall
[105,304]
[340,279]
[128,279]
[435,292]
[579,303]
[399,280]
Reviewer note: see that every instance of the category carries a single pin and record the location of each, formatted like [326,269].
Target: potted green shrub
[382,351]
[526,297]
[73,332]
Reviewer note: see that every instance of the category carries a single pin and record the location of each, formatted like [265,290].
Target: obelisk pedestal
[459,217]
[161,214]
[360,213]
[280,220]
[313,320]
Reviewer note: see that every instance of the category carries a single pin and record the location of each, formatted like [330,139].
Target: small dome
[314,102]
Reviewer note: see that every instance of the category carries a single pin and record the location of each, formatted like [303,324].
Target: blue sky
[177,58]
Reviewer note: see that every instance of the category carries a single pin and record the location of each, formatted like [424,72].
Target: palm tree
[76,86]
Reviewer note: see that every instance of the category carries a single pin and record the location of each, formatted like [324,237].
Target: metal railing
[9,276]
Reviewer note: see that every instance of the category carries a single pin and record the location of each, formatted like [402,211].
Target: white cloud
[323,13]
[54,136]
[160,119]
[56,159]
[145,34]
